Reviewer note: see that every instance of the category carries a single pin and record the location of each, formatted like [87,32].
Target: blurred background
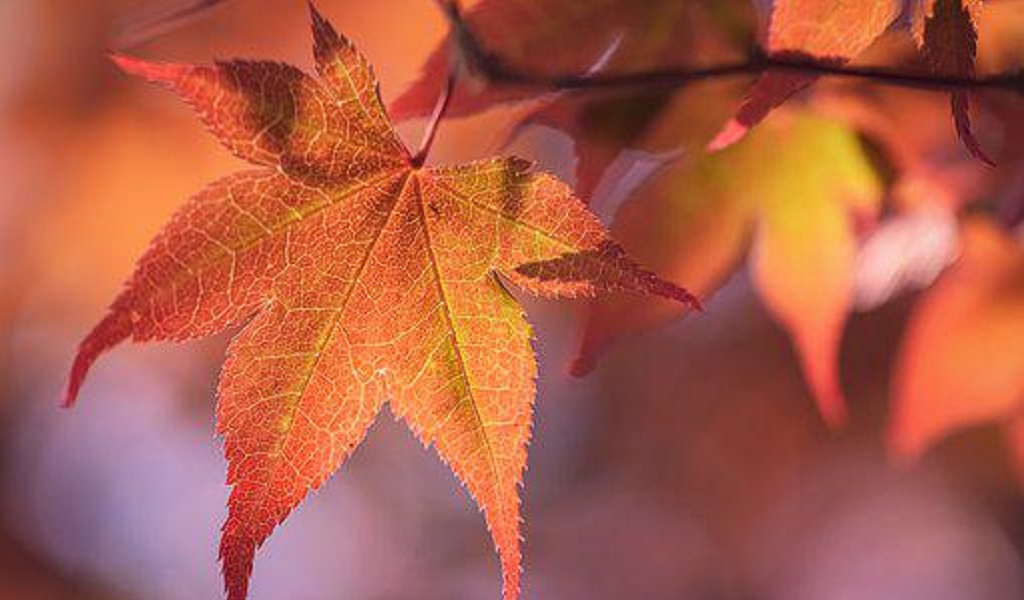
[691,464]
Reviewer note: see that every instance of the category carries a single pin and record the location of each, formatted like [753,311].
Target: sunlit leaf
[358,278]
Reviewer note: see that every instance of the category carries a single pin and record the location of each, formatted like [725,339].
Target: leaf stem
[435,121]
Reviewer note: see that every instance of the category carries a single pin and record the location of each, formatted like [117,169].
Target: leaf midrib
[446,311]
[331,331]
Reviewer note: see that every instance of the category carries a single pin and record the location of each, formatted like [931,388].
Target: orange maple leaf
[961,363]
[360,278]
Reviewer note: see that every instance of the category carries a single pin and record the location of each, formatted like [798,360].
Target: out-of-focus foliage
[796,213]
[696,442]
[961,362]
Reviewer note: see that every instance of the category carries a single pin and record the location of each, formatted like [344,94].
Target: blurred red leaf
[833,31]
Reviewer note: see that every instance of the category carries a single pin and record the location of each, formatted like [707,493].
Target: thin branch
[485,63]
[1000,81]
[435,121]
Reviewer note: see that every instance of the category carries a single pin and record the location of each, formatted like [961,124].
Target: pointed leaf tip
[669,290]
[831,403]
[163,73]
[236,557]
[111,331]
[322,28]
[325,37]
[732,132]
[964,130]
[128,64]
[510,581]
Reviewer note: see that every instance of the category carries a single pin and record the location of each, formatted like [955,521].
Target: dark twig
[483,62]
[435,120]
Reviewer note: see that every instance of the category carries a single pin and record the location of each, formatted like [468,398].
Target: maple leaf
[831,31]
[786,194]
[945,32]
[960,363]
[360,278]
